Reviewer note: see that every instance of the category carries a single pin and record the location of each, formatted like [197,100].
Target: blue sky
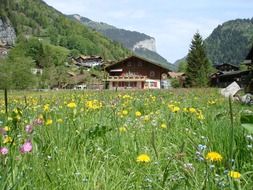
[171,22]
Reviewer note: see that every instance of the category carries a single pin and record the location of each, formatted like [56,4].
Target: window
[152,74]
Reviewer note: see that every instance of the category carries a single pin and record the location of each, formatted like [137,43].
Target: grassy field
[180,139]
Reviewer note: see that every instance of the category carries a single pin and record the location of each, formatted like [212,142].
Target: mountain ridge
[141,44]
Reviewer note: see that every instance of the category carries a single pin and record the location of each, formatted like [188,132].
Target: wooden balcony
[126,78]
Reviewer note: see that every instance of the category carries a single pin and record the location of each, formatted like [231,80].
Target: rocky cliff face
[7,34]
[149,44]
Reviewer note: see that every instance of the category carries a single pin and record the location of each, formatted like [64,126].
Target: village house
[88,61]
[135,72]
[226,74]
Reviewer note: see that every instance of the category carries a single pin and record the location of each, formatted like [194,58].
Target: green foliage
[230,42]
[198,67]
[182,66]
[175,83]
[36,18]
[94,146]
[16,73]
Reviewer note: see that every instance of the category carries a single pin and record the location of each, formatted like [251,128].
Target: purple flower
[29,128]
[26,147]
[4,150]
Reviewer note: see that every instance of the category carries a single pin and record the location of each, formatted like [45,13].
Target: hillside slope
[36,18]
[230,42]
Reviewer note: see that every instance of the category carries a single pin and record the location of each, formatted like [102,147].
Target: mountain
[142,44]
[230,42]
[34,18]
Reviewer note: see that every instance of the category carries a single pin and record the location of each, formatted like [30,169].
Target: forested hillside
[36,18]
[46,39]
[230,42]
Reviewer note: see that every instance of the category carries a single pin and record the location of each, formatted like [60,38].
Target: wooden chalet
[136,72]
[228,73]
[227,67]
[88,61]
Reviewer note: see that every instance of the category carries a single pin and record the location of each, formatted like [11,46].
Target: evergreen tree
[198,68]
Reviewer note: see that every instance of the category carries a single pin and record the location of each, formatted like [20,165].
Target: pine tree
[198,68]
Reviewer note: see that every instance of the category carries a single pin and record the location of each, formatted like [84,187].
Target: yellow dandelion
[46,108]
[192,110]
[234,174]
[71,105]
[214,157]
[164,126]
[7,139]
[138,114]
[124,112]
[143,158]
[49,122]
[122,129]
[6,128]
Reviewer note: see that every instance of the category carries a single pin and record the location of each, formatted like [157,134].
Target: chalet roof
[176,74]
[234,73]
[232,65]
[143,59]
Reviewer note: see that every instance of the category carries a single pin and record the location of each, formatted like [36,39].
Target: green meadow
[105,140]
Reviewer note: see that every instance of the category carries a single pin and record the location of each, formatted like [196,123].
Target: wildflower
[29,128]
[214,157]
[46,108]
[6,128]
[200,117]
[138,114]
[143,158]
[49,122]
[164,126]
[122,129]
[26,147]
[93,104]
[4,150]
[234,174]
[124,112]
[192,110]
[146,118]
[71,105]
[173,108]
[7,139]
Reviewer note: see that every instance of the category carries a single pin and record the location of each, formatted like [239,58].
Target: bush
[175,83]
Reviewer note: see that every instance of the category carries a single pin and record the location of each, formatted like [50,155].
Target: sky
[171,22]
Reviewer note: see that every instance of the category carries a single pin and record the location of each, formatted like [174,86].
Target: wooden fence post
[6,100]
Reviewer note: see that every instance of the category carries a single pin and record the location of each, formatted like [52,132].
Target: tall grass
[95,146]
